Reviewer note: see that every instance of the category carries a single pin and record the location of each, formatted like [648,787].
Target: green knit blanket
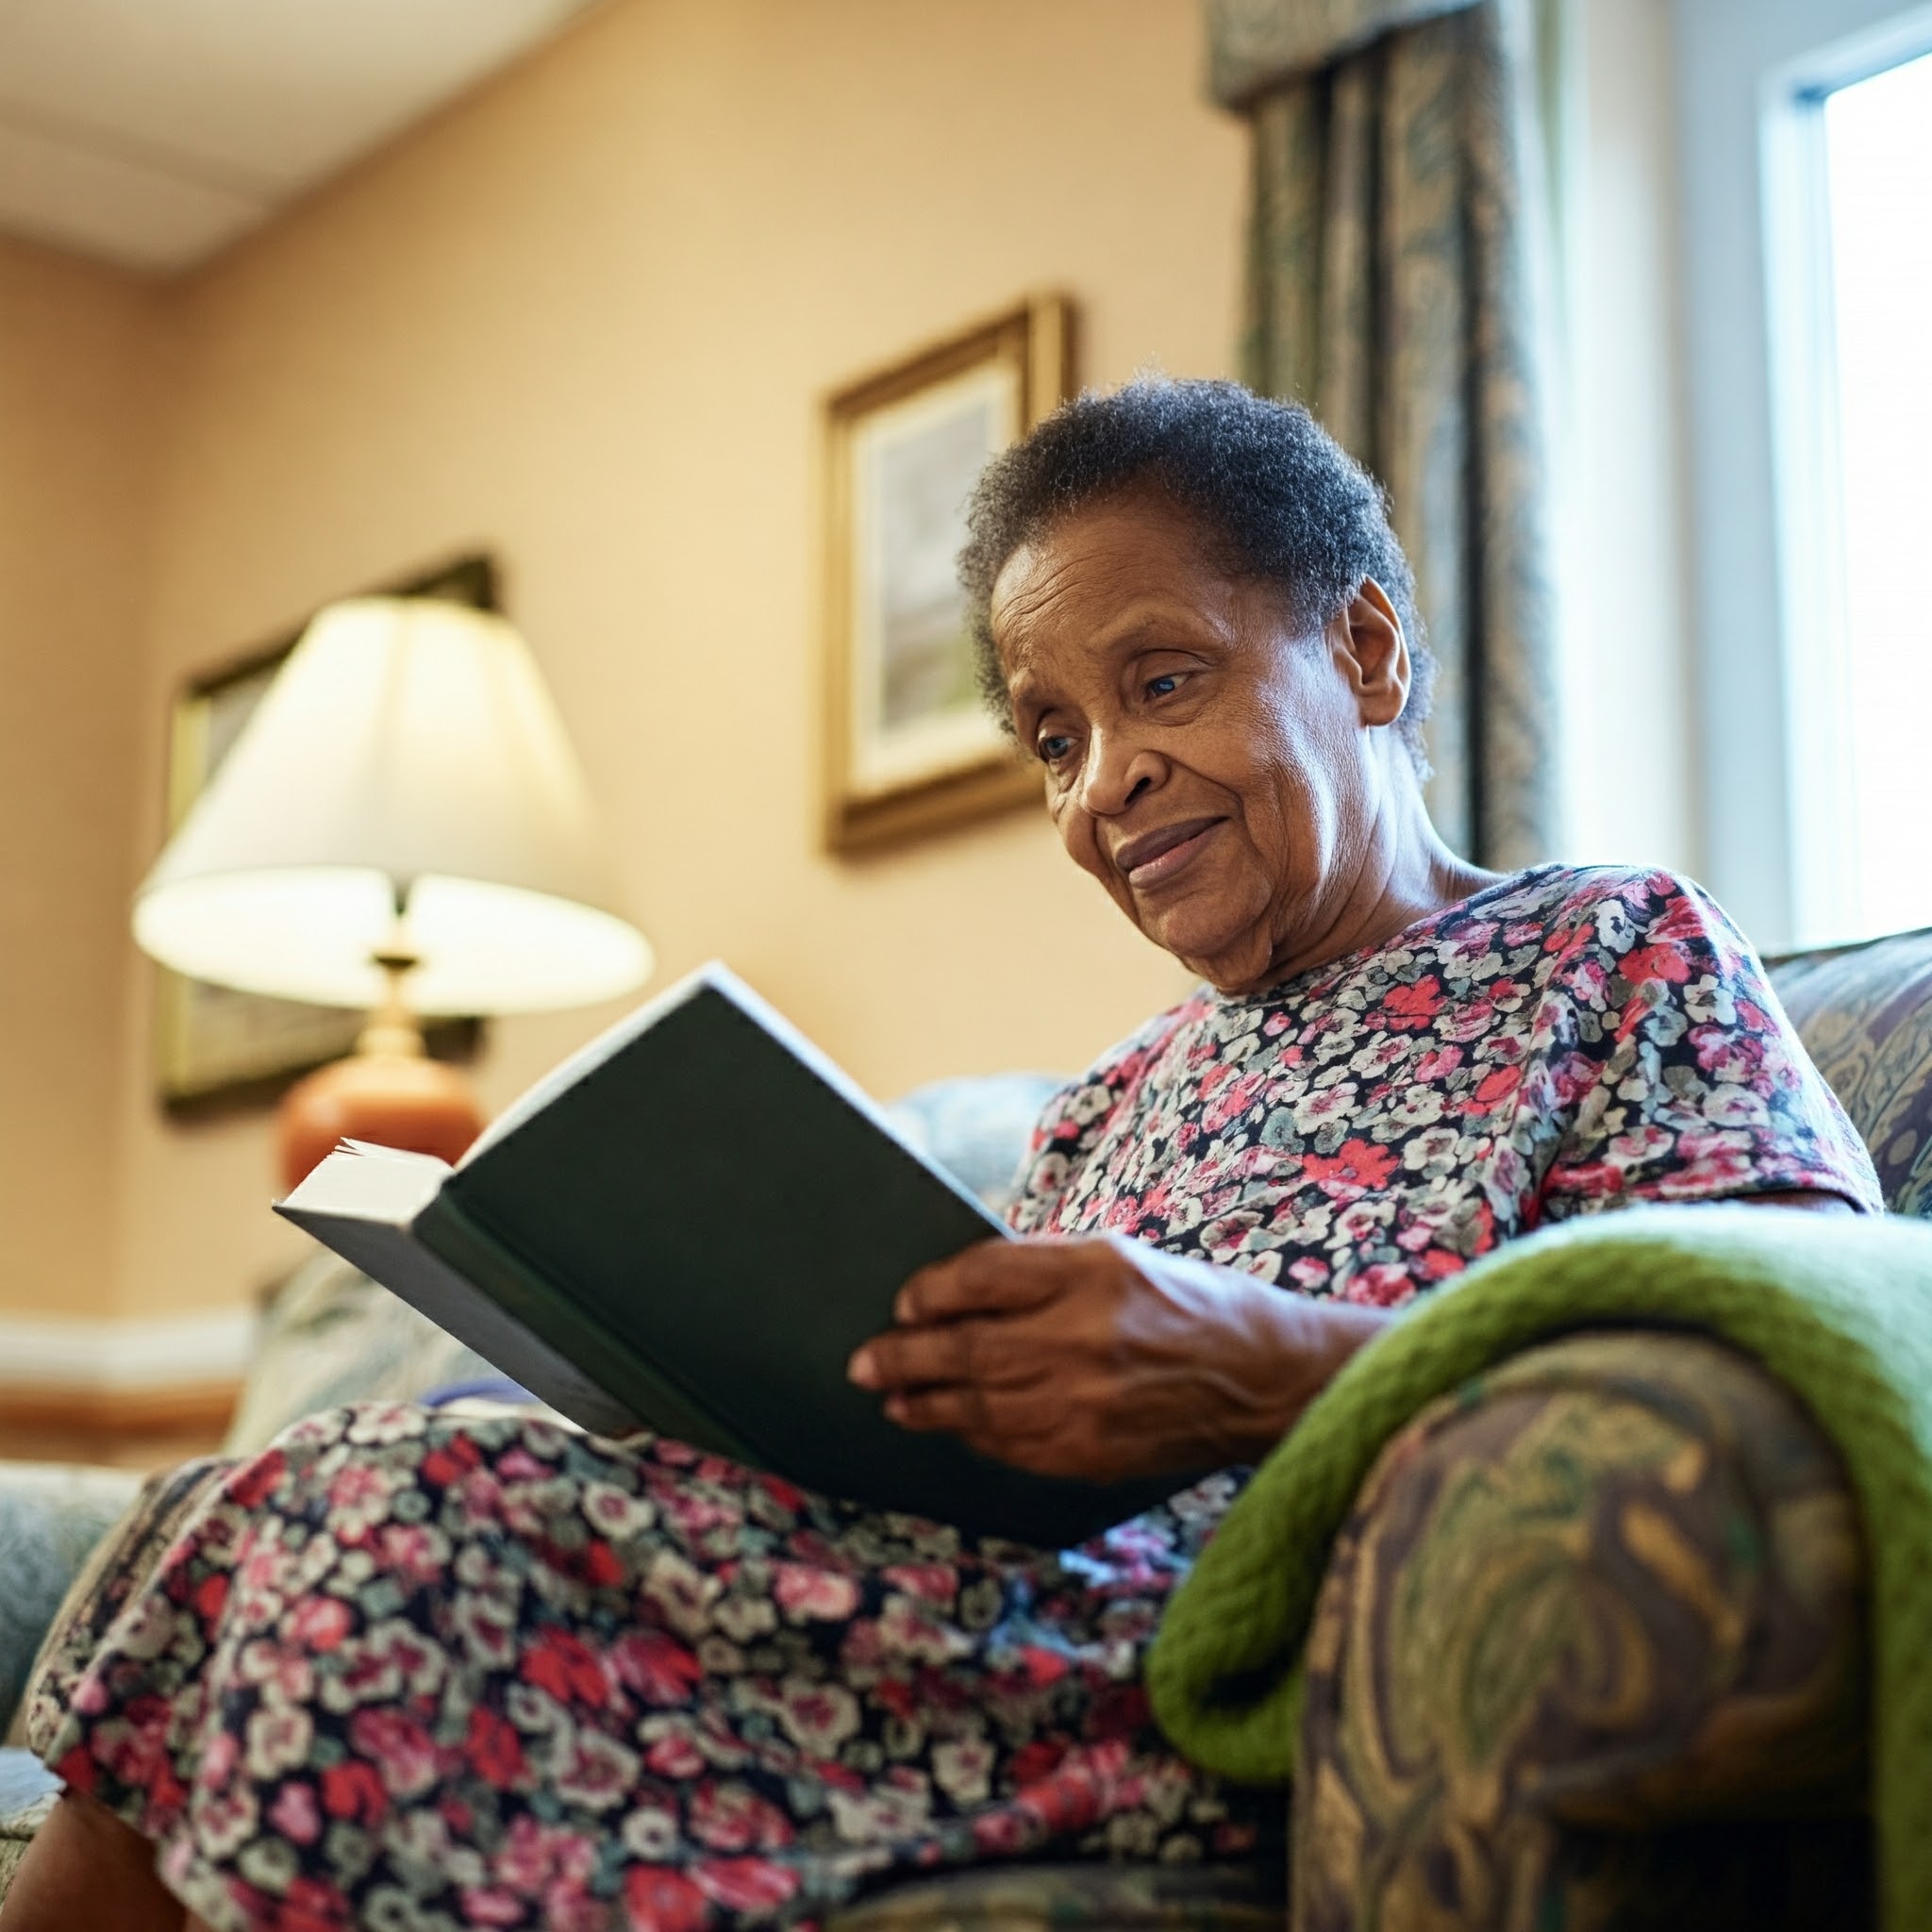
[1839,1310]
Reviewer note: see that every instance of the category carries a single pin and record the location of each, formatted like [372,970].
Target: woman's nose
[1118,772]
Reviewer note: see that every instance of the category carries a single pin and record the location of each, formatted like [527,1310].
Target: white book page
[370,1183]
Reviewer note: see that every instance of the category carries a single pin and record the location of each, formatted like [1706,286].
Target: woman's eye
[1163,685]
[1053,748]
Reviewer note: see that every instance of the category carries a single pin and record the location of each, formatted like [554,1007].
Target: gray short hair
[1276,498]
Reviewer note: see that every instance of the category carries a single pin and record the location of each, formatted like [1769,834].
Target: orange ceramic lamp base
[388,1092]
[394,1099]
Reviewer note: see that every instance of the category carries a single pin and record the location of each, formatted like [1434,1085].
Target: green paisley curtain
[1395,286]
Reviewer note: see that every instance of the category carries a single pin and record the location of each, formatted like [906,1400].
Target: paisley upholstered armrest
[1590,1651]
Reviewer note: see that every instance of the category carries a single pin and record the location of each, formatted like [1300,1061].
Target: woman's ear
[1368,634]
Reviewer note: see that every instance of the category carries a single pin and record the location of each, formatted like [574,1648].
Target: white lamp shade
[407,748]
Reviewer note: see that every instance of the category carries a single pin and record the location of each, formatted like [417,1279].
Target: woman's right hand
[1106,1358]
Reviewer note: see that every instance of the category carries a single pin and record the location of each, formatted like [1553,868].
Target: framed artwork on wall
[216,1048]
[909,747]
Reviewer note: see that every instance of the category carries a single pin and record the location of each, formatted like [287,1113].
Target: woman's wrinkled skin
[1231,777]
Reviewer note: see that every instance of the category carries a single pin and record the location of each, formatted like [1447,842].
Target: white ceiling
[151,133]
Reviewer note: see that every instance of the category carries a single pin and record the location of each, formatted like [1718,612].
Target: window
[1878,186]
[1851,199]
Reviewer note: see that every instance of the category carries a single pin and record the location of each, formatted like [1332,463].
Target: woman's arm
[1106,1358]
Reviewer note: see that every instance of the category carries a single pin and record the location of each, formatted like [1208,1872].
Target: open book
[690,1225]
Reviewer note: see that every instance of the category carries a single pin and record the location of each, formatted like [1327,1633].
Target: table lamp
[401,826]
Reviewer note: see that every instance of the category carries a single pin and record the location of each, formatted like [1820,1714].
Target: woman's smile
[1157,857]
[1227,768]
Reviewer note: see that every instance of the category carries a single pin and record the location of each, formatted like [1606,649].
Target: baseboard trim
[120,1411]
[152,1358]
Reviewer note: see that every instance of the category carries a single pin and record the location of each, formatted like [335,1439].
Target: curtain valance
[1255,45]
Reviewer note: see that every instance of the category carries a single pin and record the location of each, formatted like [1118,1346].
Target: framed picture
[214,1046]
[910,745]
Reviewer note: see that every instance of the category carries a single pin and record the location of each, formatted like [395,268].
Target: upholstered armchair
[1591,1650]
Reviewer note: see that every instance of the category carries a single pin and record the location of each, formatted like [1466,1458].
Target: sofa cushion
[977,1126]
[50,1517]
[330,1336]
[1865,1015]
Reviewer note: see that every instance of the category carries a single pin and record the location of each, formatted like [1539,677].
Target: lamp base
[395,1099]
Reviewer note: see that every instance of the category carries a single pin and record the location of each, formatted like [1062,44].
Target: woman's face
[1208,760]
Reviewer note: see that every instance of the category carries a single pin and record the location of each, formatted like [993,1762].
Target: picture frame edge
[1039,329]
[949,801]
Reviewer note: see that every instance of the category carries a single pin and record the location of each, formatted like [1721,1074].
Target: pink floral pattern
[408,1672]
[1566,1040]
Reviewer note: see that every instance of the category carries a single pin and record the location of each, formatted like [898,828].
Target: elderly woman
[371,1685]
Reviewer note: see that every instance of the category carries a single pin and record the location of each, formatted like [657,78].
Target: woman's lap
[414,1670]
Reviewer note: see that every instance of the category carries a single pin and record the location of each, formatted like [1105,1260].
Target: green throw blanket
[1839,1310]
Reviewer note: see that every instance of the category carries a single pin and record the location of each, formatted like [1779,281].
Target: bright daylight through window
[1878,157]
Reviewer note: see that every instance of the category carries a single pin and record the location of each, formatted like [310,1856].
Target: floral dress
[404,1672]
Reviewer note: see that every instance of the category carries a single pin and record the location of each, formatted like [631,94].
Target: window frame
[1808,468]
[1761,434]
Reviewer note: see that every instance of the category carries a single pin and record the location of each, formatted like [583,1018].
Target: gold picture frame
[216,1048]
[910,748]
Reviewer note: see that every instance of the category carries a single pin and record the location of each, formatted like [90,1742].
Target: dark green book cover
[701,1218]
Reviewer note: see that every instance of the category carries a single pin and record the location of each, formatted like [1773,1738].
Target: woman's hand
[1104,1359]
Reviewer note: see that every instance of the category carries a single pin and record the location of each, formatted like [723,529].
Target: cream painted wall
[1629,780]
[583,320]
[73,437]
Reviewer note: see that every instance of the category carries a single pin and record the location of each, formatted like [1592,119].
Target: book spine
[547,1310]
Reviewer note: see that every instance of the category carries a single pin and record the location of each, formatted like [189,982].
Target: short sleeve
[1075,1120]
[1679,1074]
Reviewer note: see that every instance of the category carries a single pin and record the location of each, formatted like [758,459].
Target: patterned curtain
[1395,285]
